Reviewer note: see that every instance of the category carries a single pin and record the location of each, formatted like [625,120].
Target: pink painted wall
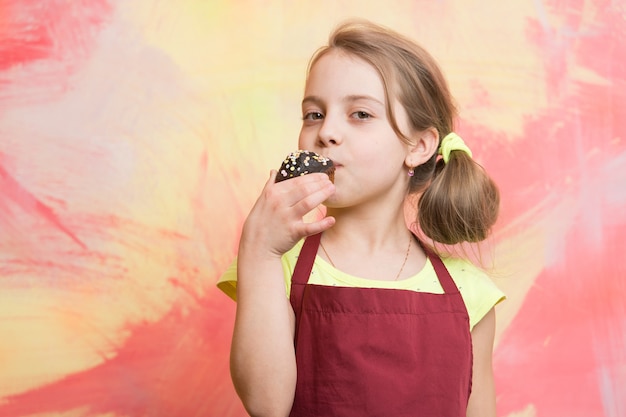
[124,130]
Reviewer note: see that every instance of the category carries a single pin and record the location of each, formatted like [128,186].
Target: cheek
[387,161]
[303,141]
[380,153]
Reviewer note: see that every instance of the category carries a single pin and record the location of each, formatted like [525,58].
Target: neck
[371,231]
[373,247]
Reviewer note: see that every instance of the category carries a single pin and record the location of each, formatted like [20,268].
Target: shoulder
[479,292]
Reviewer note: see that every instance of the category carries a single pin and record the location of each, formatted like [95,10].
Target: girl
[351,315]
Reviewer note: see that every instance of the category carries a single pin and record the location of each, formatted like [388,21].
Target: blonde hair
[460,202]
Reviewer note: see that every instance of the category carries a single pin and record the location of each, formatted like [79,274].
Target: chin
[332,203]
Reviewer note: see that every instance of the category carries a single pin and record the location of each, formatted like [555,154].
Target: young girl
[351,315]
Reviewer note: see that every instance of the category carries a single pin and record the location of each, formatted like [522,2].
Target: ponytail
[462,202]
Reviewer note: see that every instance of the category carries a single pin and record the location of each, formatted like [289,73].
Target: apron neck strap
[301,274]
[304,264]
[446,281]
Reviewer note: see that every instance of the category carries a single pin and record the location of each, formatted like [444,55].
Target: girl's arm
[263,364]
[482,402]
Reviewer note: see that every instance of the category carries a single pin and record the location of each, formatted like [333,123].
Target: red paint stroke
[32,30]
[560,354]
[554,350]
[577,131]
[11,189]
[175,367]
[567,335]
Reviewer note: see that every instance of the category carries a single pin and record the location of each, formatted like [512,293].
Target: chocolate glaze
[305,162]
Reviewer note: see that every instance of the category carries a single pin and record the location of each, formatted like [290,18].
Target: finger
[272,178]
[270,182]
[314,199]
[292,191]
[308,229]
[308,185]
[297,182]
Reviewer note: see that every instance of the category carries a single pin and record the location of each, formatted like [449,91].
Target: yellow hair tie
[452,142]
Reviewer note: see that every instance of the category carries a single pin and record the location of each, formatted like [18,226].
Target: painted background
[136,134]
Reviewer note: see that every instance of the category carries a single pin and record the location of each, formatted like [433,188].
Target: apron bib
[369,352]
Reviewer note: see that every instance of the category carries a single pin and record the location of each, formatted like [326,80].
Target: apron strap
[304,265]
[446,281]
[301,274]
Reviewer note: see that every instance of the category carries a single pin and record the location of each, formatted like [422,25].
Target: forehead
[339,72]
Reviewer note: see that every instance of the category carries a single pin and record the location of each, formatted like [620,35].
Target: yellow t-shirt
[479,293]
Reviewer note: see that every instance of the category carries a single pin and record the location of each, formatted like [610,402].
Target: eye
[361,115]
[314,115]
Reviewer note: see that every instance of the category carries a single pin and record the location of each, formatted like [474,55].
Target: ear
[424,145]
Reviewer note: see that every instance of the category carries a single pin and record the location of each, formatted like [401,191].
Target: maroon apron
[368,352]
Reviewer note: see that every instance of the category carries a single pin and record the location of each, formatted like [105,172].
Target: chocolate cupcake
[305,162]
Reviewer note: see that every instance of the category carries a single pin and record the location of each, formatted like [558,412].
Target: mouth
[335,162]
[333,170]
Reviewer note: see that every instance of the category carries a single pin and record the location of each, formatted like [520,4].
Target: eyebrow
[350,98]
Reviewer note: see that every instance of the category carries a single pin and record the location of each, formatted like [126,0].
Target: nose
[330,132]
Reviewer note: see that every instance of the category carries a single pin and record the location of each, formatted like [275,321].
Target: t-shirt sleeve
[479,292]
[228,281]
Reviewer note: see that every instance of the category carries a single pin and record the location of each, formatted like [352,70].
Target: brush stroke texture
[135,135]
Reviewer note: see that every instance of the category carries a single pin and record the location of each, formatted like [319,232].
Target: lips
[335,162]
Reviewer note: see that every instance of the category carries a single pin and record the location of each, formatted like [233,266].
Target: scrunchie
[452,142]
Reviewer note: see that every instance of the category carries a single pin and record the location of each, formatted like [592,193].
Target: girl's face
[344,118]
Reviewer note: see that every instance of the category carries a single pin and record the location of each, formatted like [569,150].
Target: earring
[411,172]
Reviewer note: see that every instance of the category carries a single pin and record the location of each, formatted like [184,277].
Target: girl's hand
[275,223]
